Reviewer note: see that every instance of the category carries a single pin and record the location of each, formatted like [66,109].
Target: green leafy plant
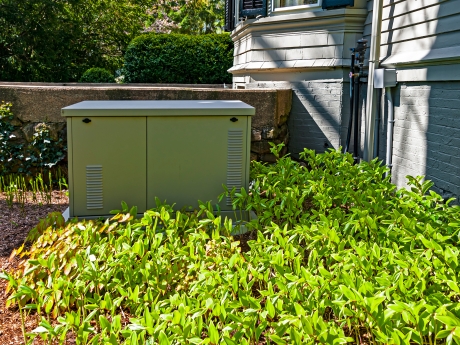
[41,155]
[339,256]
[97,75]
[176,58]
[18,188]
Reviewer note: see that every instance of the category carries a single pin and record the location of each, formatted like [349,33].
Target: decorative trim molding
[284,66]
[349,18]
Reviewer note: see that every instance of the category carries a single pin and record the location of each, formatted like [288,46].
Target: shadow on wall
[427,113]
[312,123]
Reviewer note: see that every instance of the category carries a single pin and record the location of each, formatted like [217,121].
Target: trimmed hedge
[97,75]
[176,58]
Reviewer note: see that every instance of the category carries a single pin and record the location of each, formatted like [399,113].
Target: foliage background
[57,40]
[175,58]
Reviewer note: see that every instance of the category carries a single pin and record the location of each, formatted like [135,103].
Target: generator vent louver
[94,195]
[234,161]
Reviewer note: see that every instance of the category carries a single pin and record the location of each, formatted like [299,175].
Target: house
[305,45]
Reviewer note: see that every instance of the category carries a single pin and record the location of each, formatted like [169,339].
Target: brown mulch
[15,224]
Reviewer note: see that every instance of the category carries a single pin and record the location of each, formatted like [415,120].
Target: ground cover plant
[41,153]
[338,256]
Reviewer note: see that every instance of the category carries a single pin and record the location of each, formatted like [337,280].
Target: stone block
[256,135]
[281,132]
[268,133]
[29,130]
[268,157]
[260,147]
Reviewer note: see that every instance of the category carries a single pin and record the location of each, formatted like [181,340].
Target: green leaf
[270,308]
[448,320]
[104,323]
[277,339]
[163,338]
[213,334]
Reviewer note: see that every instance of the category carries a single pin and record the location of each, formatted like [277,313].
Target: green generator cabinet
[136,151]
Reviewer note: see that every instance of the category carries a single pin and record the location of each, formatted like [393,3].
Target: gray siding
[416,30]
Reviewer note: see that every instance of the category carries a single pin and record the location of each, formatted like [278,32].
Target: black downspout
[356,120]
[377,124]
[352,95]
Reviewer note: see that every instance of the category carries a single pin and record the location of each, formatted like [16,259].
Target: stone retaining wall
[38,105]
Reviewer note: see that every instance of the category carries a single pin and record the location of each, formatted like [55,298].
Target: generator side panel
[108,164]
[189,158]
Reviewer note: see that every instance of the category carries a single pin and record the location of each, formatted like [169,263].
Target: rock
[268,157]
[254,156]
[256,135]
[55,128]
[17,135]
[260,147]
[29,131]
[281,132]
[268,133]
[16,122]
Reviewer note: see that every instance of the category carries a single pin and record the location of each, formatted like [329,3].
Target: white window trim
[300,8]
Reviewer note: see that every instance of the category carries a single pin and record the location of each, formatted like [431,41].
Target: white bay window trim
[293,6]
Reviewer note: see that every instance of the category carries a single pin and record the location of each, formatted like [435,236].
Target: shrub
[175,58]
[97,75]
[338,256]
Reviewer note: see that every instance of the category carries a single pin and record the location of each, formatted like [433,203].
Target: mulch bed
[15,223]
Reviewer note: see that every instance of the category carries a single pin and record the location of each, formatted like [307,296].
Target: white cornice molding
[349,19]
[287,66]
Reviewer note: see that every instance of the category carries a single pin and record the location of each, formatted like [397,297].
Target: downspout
[352,97]
[371,106]
[391,121]
[377,124]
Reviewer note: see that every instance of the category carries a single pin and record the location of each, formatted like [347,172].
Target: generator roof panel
[158,108]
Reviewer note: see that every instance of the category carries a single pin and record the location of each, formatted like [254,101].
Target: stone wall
[37,106]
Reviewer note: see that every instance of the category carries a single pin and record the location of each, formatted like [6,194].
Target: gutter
[371,102]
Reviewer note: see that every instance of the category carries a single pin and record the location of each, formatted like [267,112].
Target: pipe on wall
[390,126]
[352,95]
[377,124]
[374,56]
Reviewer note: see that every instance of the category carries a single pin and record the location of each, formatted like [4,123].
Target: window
[279,4]
[253,8]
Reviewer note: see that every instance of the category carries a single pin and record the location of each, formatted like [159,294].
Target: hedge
[176,58]
[97,75]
